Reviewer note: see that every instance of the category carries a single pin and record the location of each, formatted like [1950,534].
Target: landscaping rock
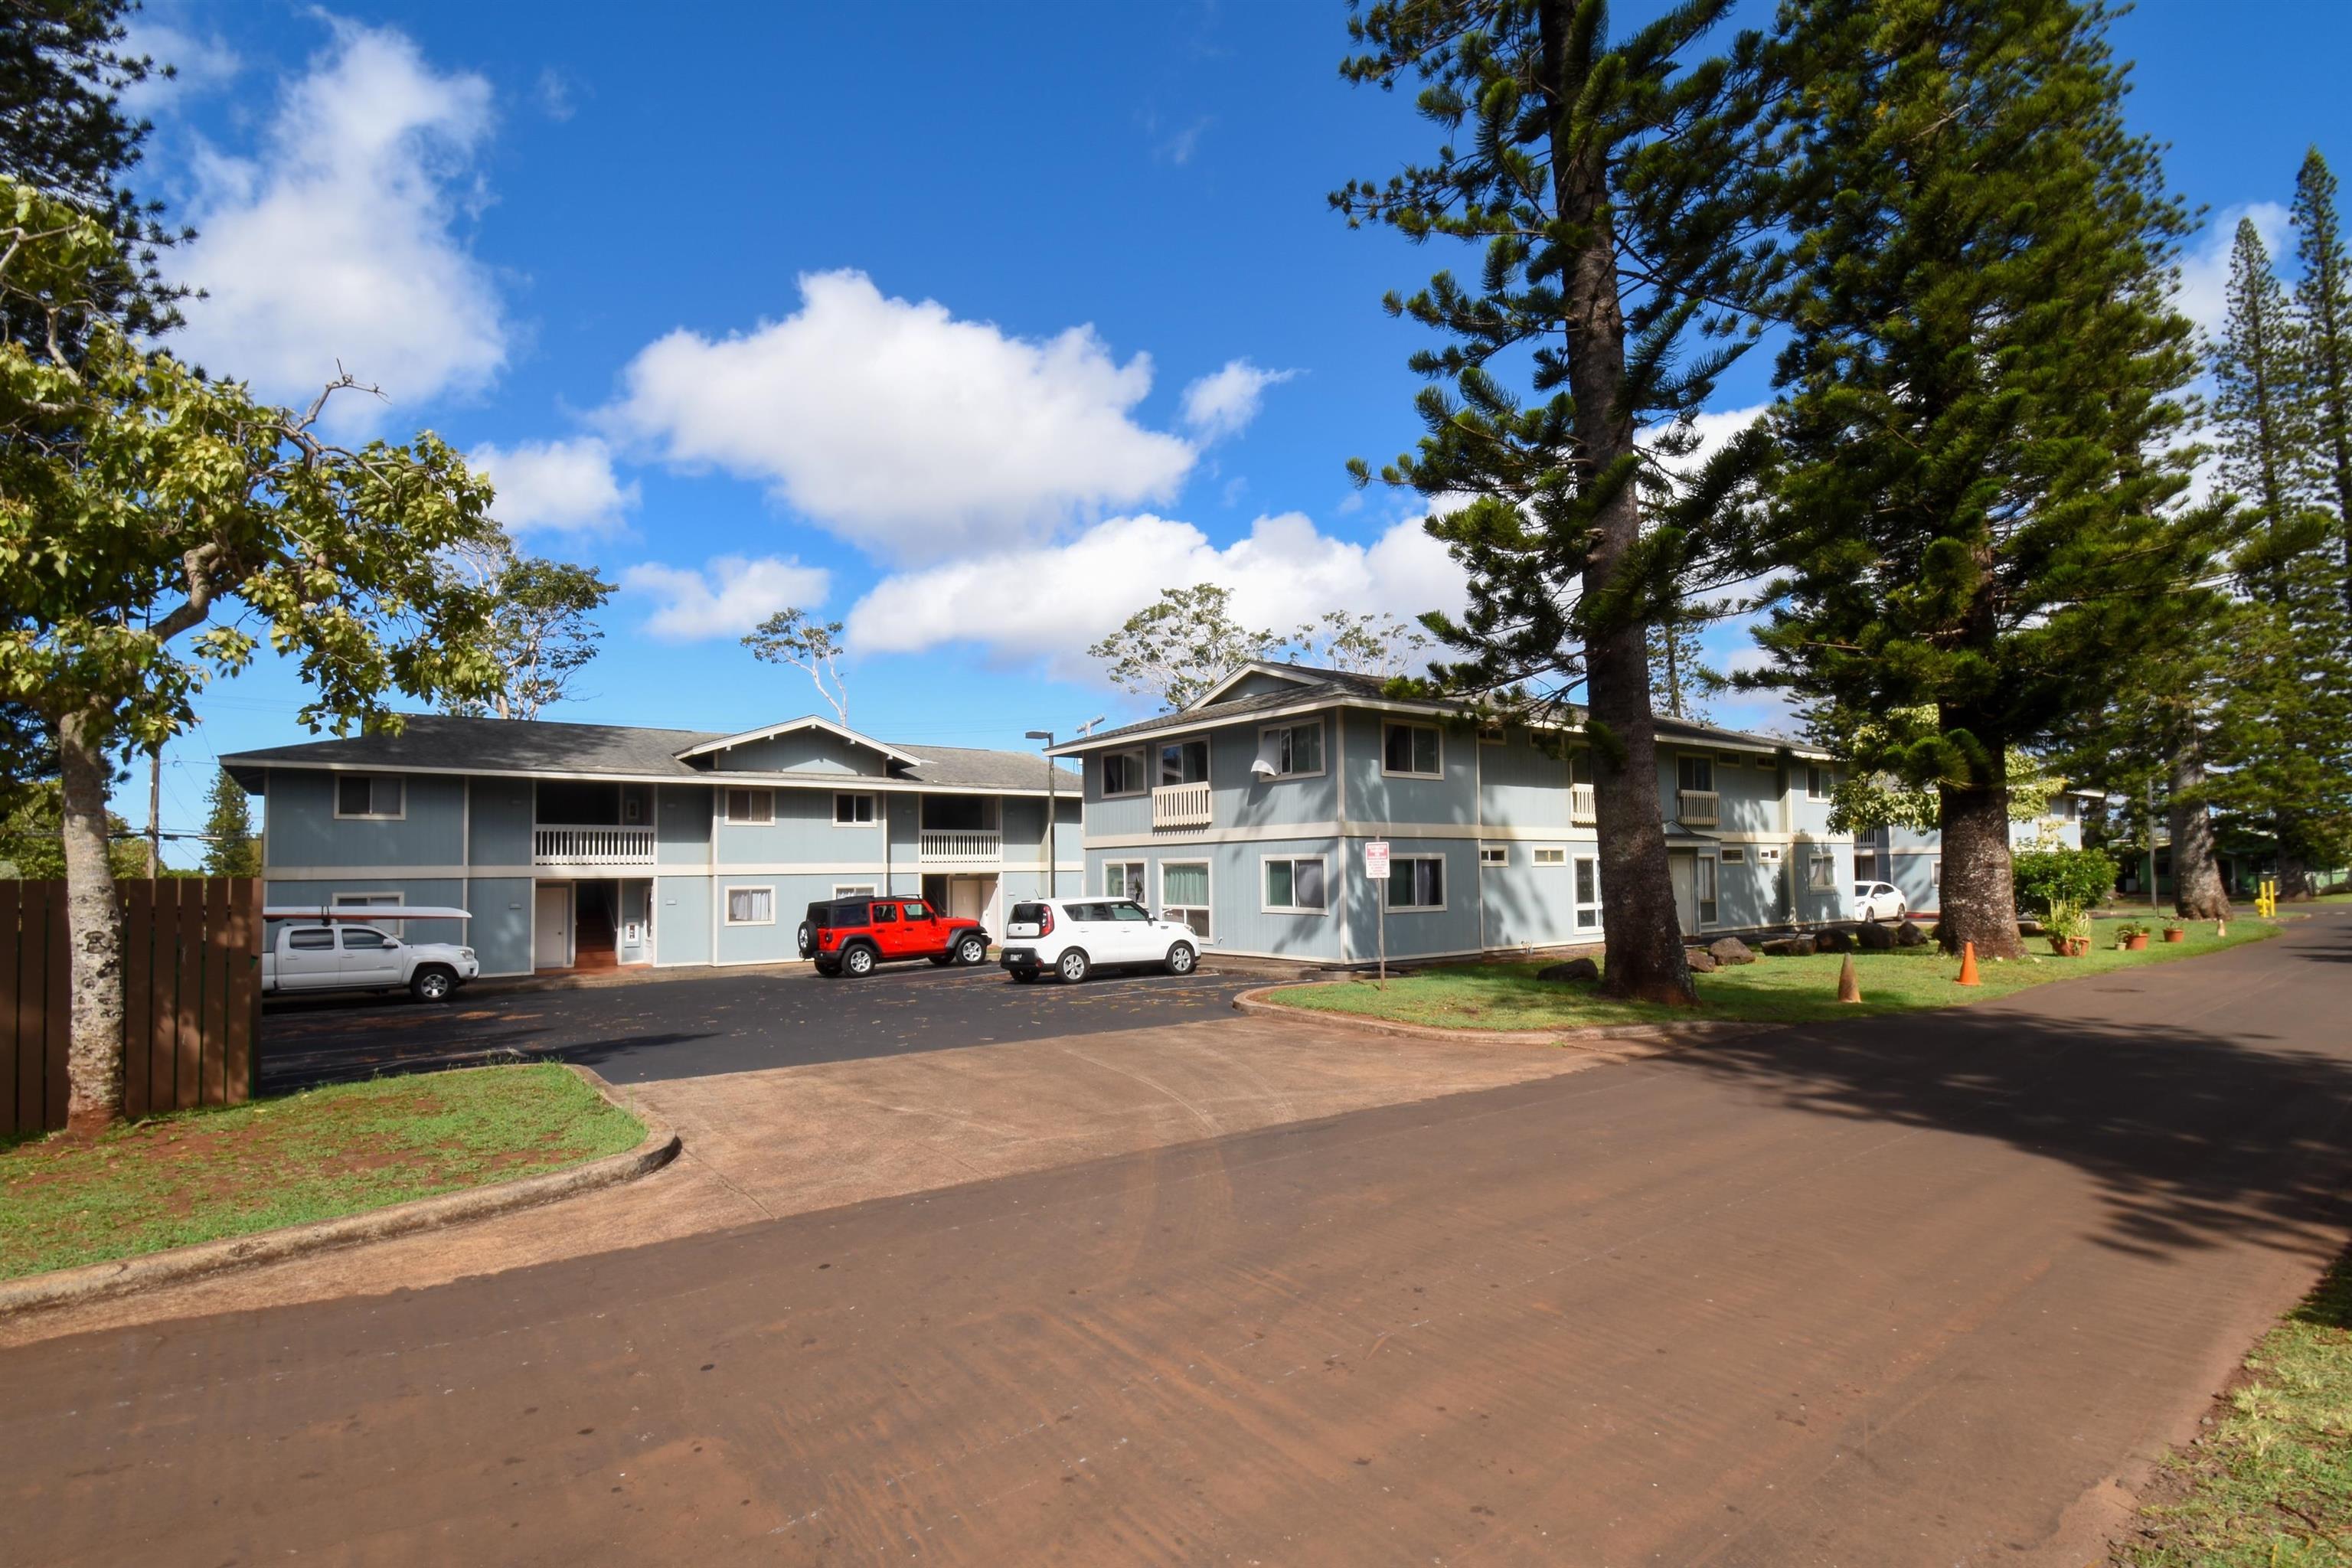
[1790,947]
[1575,971]
[2031,927]
[1909,935]
[1729,950]
[1875,938]
[1702,961]
[1833,941]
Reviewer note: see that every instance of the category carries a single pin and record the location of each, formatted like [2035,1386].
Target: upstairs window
[1183,762]
[757,805]
[1413,751]
[1695,772]
[852,810]
[1292,750]
[1122,774]
[377,795]
[1821,783]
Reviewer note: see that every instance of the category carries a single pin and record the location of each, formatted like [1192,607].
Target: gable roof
[806,721]
[437,742]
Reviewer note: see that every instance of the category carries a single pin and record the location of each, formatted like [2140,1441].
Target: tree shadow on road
[2193,1137]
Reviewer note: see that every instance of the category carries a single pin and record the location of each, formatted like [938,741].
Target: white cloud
[1713,428]
[727,598]
[553,91]
[563,485]
[199,62]
[1225,401]
[2204,292]
[901,427]
[335,242]
[1049,602]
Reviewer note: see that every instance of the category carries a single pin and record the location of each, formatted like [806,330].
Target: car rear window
[830,917]
[1029,914]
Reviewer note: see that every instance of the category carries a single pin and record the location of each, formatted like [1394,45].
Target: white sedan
[1878,902]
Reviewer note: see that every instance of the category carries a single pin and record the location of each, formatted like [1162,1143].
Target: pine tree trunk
[1643,957]
[2293,872]
[2197,892]
[93,936]
[1979,896]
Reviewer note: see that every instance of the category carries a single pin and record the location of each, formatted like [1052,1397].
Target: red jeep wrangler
[850,936]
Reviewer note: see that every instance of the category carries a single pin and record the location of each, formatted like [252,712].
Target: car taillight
[1045,922]
[826,939]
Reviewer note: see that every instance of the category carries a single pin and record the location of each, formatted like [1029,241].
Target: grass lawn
[1771,990]
[203,1174]
[2272,1483]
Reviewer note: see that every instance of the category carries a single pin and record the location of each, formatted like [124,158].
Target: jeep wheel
[941,959]
[858,963]
[972,950]
[1181,958]
[807,939]
[431,983]
[828,968]
[1072,967]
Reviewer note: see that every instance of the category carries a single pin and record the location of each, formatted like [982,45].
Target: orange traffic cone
[1848,989]
[1969,964]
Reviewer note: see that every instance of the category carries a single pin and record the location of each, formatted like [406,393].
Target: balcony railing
[592,845]
[1180,805]
[961,844]
[1699,807]
[1581,809]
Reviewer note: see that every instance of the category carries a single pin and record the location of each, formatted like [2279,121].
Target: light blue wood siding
[1415,933]
[682,825]
[1519,786]
[1374,797]
[303,830]
[500,930]
[499,822]
[1527,905]
[804,751]
[803,833]
[682,920]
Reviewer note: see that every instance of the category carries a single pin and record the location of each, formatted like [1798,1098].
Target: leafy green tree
[1974,508]
[2323,302]
[230,849]
[2082,877]
[541,631]
[1180,644]
[33,845]
[155,527]
[1610,184]
[793,637]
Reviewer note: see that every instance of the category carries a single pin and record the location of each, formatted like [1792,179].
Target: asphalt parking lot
[689,1028]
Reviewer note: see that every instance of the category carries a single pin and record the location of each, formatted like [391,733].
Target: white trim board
[690,779]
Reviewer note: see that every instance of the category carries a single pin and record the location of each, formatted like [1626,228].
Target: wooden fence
[191,988]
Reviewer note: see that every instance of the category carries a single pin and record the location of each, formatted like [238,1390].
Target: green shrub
[2082,877]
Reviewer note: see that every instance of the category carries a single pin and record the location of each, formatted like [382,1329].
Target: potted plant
[2069,927]
[2173,930]
[2131,938]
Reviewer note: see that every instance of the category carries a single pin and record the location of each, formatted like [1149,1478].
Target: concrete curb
[124,1275]
[1595,1037]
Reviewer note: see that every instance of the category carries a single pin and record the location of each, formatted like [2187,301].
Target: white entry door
[551,945]
[1684,870]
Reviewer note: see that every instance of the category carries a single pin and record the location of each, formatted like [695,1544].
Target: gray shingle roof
[440,742]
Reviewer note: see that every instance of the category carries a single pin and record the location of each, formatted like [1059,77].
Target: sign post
[1376,871]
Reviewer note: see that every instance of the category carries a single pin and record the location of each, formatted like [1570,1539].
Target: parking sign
[1376,860]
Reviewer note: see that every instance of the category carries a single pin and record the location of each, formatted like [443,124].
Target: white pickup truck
[331,949]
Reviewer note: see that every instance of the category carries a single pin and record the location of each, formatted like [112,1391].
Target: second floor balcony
[964,843]
[1581,811]
[1699,807]
[1180,805]
[557,843]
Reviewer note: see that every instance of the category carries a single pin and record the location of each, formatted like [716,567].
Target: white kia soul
[1073,937]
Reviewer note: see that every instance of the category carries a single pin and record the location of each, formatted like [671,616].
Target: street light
[1052,865]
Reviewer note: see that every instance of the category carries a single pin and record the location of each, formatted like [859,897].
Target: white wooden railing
[1180,805]
[1581,809]
[592,845]
[960,843]
[1699,807]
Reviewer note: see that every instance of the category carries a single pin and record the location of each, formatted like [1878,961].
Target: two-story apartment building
[1912,859]
[1246,814]
[583,845]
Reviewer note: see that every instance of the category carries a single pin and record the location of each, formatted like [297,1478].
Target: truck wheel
[1181,958]
[434,983]
[941,959]
[858,963]
[972,950]
[1072,966]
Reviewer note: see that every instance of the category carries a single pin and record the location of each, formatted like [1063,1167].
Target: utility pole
[2152,902]
[154,814]
[1053,861]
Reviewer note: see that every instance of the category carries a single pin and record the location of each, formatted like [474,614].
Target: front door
[1683,869]
[551,944]
[967,897]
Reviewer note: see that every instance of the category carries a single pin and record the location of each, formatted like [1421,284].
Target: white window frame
[873,807]
[1139,893]
[1820,872]
[1550,855]
[1707,759]
[1731,854]
[727,902]
[853,890]
[1140,756]
[1578,904]
[1821,783]
[1209,890]
[1936,873]
[375,898]
[1767,854]
[1706,889]
[371,814]
[1321,740]
[727,806]
[1179,744]
[1389,772]
[1444,891]
[1729,760]
[1492,734]
[1493,855]
[1294,908]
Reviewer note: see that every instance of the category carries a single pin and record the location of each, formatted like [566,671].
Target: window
[1821,783]
[370,794]
[1820,876]
[633,808]
[1130,912]
[918,910]
[1183,762]
[1706,868]
[1550,855]
[1123,879]
[750,906]
[372,901]
[1295,886]
[883,915]
[853,889]
[1293,751]
[1733,855]
[751,806]
[1768,856]
[1122,774]
[1588,893]
[1494,854]
[1936,872]
[1411,750]
[1729,760]
[1184,894]
[312,938]
[852,810]
[1491,734]
[1695,773]
[365,938]
[1417,882]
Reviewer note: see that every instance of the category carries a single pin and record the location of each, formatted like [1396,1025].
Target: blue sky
[970,325]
